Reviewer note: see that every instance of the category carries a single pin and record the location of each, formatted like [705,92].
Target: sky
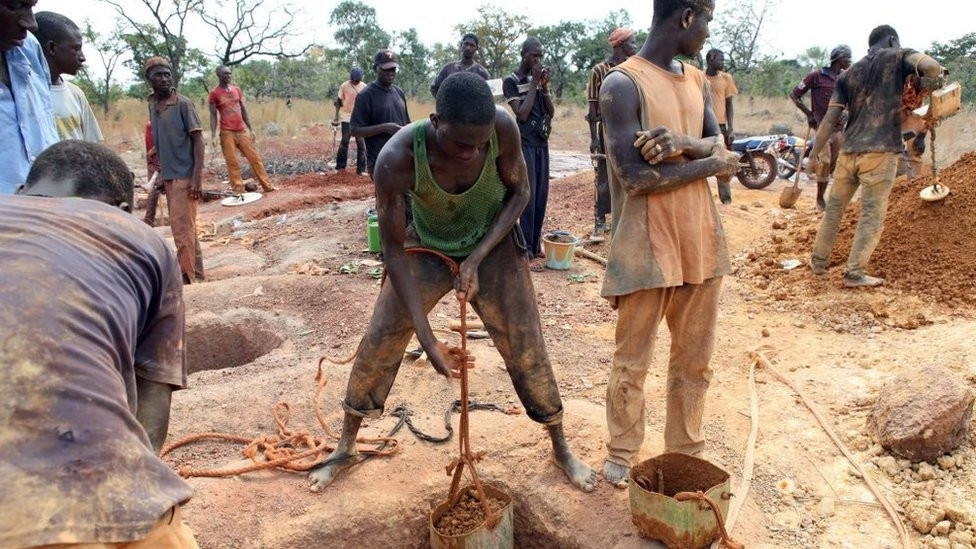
[789,31]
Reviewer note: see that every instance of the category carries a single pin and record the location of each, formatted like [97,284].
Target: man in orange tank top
[668,252]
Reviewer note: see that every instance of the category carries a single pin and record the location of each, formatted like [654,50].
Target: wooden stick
[906,541]
[590,255]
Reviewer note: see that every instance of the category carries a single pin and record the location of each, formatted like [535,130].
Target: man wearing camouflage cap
[820,83]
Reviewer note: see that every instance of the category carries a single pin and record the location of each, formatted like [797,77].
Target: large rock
[923,414]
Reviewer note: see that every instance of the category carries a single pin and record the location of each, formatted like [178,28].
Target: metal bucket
[677,524]
[502,536]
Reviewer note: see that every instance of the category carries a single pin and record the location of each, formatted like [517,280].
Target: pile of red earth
[927,248]
[466,515]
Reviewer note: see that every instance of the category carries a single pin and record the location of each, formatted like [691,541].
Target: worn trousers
[343,154]
[537,163]
[169,532]
[506,303]
[691,311]
[874,174]
[601,203]
[183,223]
[230,143]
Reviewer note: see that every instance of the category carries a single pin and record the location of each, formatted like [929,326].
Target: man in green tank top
[465,172]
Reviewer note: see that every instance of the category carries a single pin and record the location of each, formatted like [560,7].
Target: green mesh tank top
[453,224]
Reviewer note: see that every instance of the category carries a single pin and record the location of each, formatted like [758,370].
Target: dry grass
[124,126]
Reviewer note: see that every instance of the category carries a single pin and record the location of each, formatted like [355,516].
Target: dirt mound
[926,256]
[928,248]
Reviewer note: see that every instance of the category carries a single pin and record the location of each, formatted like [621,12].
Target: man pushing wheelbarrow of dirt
[465,173]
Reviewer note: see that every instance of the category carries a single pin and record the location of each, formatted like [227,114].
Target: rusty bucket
[659,515]
[502,536]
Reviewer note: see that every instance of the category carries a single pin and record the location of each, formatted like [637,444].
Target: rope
[301,451]
[727,540]
[906,542]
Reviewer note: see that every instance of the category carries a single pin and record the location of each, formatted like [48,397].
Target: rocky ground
[290,281]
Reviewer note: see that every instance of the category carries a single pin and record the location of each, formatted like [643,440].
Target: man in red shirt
[820,83]
[228,100]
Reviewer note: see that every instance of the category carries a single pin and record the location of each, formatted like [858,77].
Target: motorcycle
[787,152]
[759,160]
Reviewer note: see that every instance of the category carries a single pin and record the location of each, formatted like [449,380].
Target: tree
[110,48]
[959,56]
[499,33]
[559,41]
[737,30]
[358,34]
[415,67]
[814,57]
[250,32]
[594,47]
[145,40]
[165,36]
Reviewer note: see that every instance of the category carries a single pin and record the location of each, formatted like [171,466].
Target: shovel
[789,196]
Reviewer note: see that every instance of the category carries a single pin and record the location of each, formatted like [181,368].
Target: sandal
[537,264]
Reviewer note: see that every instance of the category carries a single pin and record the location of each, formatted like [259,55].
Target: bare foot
[580,474]
[323,475]
[618,475]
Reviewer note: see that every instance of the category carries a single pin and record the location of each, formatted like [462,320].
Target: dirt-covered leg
[344,456]
[580,474]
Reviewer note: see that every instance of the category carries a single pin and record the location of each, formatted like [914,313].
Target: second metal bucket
[678,524]
[502,536]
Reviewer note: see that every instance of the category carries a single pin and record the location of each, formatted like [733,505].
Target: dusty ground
[275,288]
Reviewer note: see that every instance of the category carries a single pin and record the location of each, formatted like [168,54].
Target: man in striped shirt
[624,45]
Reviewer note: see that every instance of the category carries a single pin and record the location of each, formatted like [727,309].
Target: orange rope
[295,452]
[700,496]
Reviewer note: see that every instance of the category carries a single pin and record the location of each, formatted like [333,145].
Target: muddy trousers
[724,183]
[874,174]
[230,143]
[183,223]
[507,306]
[691,311]
[169,532]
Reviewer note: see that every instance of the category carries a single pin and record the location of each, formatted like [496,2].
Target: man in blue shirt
[26,115]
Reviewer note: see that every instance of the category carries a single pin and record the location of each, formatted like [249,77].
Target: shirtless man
[668,254]
[469,188]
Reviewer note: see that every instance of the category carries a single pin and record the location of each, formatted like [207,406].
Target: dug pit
[228,340]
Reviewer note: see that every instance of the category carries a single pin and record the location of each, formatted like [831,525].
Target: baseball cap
[356,73]
[386,59]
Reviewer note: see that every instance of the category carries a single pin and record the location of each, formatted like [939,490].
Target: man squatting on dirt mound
[668,253]
[871,91]
[465,172]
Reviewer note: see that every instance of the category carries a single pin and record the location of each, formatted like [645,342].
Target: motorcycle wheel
[762,176]
[783,170]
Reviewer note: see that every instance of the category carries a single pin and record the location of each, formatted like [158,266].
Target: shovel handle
[799,161]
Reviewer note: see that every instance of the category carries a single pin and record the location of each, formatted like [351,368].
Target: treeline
[265,69]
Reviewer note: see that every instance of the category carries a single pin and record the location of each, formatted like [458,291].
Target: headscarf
[155,62]
[620,36]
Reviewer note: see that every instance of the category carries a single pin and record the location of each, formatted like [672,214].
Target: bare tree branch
[250,33]
[170,20]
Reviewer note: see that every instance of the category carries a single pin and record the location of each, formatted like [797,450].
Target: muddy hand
[439,358]
[458,360]
[658,144]
[730,161]
[466,283]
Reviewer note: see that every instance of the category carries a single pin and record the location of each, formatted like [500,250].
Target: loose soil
[840,346]
[466,515]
